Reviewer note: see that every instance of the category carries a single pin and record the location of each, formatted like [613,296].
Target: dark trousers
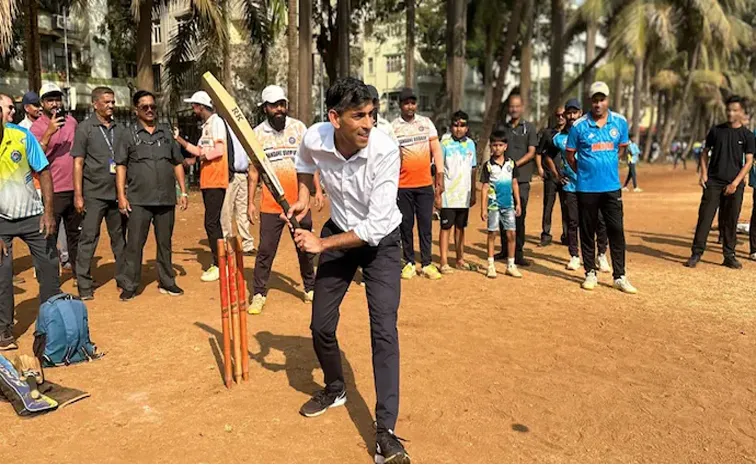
[45,254]
[381,270]
[752,231]
[520,224]
[608,204]
[551,189]
[271,227]
[573,226]
[416,202]
[96,211]
[631,175]
[67,217]
[213,199]
[162,219]
[714,199]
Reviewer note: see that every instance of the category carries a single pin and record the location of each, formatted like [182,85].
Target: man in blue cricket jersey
[600,139]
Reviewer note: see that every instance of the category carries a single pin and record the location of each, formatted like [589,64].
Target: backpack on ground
[61,336]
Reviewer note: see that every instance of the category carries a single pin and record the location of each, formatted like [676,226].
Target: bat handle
[293,220]
[31,380]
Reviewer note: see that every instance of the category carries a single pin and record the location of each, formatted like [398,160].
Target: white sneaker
[491,273]
[574,264]
[637,189]
[625,189]
[604,264]
[513,271]
[212,274]
[753,257]
[590,281]
[258,302]
[309,296]
[623,284]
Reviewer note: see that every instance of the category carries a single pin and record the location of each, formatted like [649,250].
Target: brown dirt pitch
[531,370]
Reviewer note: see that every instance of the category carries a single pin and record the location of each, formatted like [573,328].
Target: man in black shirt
[732,147]
[551,185]
[95,187]
[151,162]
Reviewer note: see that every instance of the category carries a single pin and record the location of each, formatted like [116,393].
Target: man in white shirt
[360,171]
[32,108]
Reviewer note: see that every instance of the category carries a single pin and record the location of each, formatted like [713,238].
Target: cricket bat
[230,111]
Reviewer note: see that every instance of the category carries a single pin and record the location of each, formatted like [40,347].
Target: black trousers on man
[752,231]
[551,189]
[416,202]
[213,199]
[520,224]
[67,217]
[162,219]
[713,199]
[608,204]
[271,227]
[96,211]
[45,253]
[381,270]
[572,210]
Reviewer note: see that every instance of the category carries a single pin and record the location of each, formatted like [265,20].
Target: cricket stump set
[233,298]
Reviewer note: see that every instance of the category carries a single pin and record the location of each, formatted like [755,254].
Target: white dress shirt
[362,189]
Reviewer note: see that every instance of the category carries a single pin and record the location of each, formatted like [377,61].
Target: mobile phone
[61,113]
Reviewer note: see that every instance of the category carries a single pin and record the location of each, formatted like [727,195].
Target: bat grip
[285,205]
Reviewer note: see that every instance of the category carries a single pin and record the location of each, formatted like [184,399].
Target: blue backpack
[61,336]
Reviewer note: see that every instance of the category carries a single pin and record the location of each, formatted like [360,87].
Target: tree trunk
[526,57]
[343,32]
[637,91]
[456,41]
[293,49]
[490,48]
[228,80]
[492,112]
[617,88]
[672,123]
[652,127]
[590,54]
[304,99]
[145,78]
[556,59]
[409,58]
[698,116]
[32,51]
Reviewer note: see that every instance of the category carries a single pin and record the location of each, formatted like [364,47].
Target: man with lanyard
[23,216]
[55,130]
[32,109]
[95,187]
[522,139]
[732,146]
[151,162]
[551,185]
[418,142]
[213,155]
[280,137]
[595,145]
[360,169]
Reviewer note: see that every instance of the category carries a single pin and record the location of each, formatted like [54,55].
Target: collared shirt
[26,123]
[597,149]
[20,154]
[96,144]
[459,161]
[560,142]
[58,151]
[520,139]
[633,153]
[214,173]
[499,176]
[149,160]
[385,125]
[363,188]
[729,147]
[281,149]
[414,139]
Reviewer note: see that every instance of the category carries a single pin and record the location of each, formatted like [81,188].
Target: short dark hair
[460,115]
[498,136]
[736,99]
[139,94]
[98,92]
[347,93]
[515,93]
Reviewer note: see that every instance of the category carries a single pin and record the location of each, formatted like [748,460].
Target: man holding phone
[55,130]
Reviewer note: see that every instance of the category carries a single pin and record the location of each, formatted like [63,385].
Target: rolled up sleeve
[380,221]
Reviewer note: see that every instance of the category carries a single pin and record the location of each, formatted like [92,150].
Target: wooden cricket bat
[230,111]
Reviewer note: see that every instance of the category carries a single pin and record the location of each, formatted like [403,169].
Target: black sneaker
[732,262]
[171,290]
[524,262]
[545,241]
[692,261]
[322,401]
[127,295]
[7,341]
[500,256]
[389,449]
[86,295]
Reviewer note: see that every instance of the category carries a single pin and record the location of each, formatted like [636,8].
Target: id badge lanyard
[112,163]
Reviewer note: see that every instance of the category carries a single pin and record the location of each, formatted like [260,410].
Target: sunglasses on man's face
[559,115]
[460,124]
[148,107]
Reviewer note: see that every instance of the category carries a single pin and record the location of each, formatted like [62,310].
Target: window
[424,103]
[371,70]
[393,63]
[157,33]
[156,78]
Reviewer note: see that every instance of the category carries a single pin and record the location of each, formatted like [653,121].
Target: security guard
[151,161]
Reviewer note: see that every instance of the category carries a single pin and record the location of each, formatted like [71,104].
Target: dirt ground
[531,370]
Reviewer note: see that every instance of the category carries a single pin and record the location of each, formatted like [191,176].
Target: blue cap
[572,103]
[30,98]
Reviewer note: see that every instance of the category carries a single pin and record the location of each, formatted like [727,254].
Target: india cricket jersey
[20,154]
[281,148]
[597,149]
[414,140]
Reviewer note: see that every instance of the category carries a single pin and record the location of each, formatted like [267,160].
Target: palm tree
[526,54]
[456,42]
[343,40]
[292,41]
[556,58]
[305,64]
[409,59]
[142,10]
[7,10]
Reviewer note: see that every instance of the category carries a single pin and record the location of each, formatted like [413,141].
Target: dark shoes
[733,263]
[322,401]
[171,290]
[545,241]
[127,295]
[692,261]
[86,295]
[7,341]
[523,262]
[389,448]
